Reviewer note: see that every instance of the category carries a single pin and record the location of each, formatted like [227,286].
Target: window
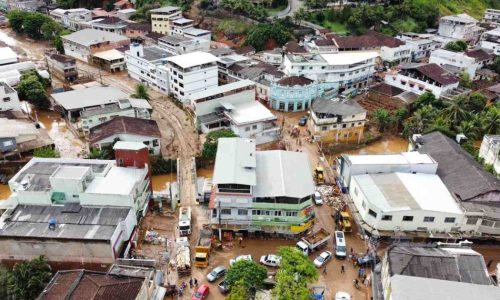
[344,125]
[386,218]
[254,126]
[372,213]
[449,220]
[6,99]
[155,143]
[225,211]
[487,223]
[256,212]
[428,219]
[291,213]
[407,218]
[472,221]
[324,128]
[363,204]
[242,212]
[214,213]
[247,128]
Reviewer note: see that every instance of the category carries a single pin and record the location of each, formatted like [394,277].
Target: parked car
[318,200]
[216,273]
[238,258]
[368,260]
[342,296]
[201,293]
[322,259]
[223,287]
[270,260]
[303,121]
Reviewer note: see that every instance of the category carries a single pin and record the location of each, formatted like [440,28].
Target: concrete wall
[147,140]
[207,107]
[395,80]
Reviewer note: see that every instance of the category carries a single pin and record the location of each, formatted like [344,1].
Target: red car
[201,293]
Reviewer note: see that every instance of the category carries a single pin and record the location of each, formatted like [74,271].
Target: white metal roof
[89,37]
[221,89]
[165,9]
[407,191]
[14,128]
[465,18]
[87,97]
[128,145]
[235,162]
[140,103]
[118,181]
[193,59]
[250,112]
[7,53]
[109,55]
[391,159]
[348,58]
[283,173]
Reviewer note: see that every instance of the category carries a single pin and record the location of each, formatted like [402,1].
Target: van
[340,245]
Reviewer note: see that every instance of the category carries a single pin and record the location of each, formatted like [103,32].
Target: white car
[238,258]
[270,260]
[342,296]
[322,259]
[318,200]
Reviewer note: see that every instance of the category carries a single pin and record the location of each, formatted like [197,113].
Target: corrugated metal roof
[235,162]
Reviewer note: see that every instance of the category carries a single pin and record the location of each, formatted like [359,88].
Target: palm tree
[490,121]
[455,111]
[468,128]
[141,92]
[383,118]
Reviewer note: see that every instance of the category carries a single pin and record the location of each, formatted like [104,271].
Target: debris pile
[152,237]
[331,196]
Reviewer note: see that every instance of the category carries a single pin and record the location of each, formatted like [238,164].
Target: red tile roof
[119,125]
[294,80]
[438,74]
[386,89]
[293,47]
[479,54]
[62,58]
[371,39]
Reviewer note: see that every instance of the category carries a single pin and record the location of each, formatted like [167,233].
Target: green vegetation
[232,27]
[141,92]
[247,272]
[465,80]
[383,118]
[475,8]
[161,166]
[238,291]
[46,152]
[268,36]
[246,8]
[495,66]
[209,150]
[296,271]
[458,46]
[26,280]
[104,153]
[32,87]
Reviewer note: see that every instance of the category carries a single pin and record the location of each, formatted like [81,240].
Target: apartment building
[421,78]
[490,151]
[9,99]
[261,192]
[460,27]
[71,18]
[421,45]
[191,73]
[143,63]
[177,45]
[490,40]
[454,62]
[62,66]
[110,24]
[492,16]
[161,17]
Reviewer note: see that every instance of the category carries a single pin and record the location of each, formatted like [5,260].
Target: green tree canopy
[238,291]
[259,36]
[457,46]
[32,90]
[251,273]
[46,152]
[209,149]
[465,80]
[383,118]
[28,278]
[141,92]
[294,262]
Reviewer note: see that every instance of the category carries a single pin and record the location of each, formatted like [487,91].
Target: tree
[141,92]
[31,90]
[287,287]
[469,129]
[476,102]
[490,121]
[383,118]
[455,110]
[258,36]
[425,99]
[50,30]
[4,282]
[458,46]
[465,80]
[400,115]
[46,152]
[58,43]
[209,149]
[28,278]
[495,65]
[238,291]
[16,18]
[299,15]
[251,273]
[99,154]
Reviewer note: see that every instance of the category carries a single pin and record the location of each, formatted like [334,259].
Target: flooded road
[387,145]
[4,191]
[159,182]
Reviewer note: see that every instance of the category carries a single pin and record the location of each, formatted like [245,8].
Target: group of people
[183,286]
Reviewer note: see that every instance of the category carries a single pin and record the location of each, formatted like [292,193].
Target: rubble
[331,196]
[152,237]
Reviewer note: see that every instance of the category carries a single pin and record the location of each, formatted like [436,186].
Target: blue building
[296,93]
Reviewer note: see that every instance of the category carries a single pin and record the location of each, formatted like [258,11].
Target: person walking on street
[195,282]
[342,270]
[324,270]
[191,282]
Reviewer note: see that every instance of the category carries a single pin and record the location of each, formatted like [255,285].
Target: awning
[58,197]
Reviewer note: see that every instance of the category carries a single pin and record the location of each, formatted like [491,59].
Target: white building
[421,78]
[72,19]
[177,44]
[491,40]
[143,63]
[459,27]
[492,16]
[393,56]
[9,99]
[490,151]
[191,73]
[7,56]
[458,61]
[422,48]
[405,202]
[348,69]
[161,17]
[125,14]
[273,57]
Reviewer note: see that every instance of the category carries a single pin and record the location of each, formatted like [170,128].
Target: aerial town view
[250,149]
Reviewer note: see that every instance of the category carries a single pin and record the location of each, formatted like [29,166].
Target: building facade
[9,99]
[458,61]
[62,66]
[161,17]
[143,63]
[490,151]
[490,40]
[459,27]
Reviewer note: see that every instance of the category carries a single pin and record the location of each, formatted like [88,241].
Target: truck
[184,221]
[319,177]
[182,257]
[313,241]
[202,248]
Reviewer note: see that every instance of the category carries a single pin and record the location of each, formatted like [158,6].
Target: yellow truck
[319,175]
[202,248]
[345,221]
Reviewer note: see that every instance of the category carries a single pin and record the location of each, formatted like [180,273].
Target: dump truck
[313,242]
[202,248]
[182,257]
[184,221]
[319,175]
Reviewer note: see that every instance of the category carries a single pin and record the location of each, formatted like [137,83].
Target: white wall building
[405,202]
[459,27]
[72,19]
[421,78]
[490,151]
[142,65]
[191,73]
[457,60]
[7,56]
[8,98]
[421,47]
[492,16]
[177,44]
[392,56]
[349,69]
[491,40]
[161,17]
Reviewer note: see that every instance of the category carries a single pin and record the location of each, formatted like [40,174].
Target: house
[482,57]
[460,27]
[126,129]
[123,4]
[161,17]
[422,78]
[477,190]
[142,65]
[7,56]
[11,73]
[246,51]
[177,45]
[490,40]
[296,93]
[293,47]
[436,269]
[346,69]
[490,151]
[233,106]
[125,14]
[421,47]
[25,5]
[492,17]
[62,66]
[110,24]
[273,57]
[454,62]
[192,72]
[387,97]
[18,136]
[196,33]
[72,19]
[405,202]
[261,192]
[10,100]
[84,44]
[137,31]
[320,45]
[123,282]
[336,121]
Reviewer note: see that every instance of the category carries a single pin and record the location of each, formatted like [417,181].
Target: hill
[474,8]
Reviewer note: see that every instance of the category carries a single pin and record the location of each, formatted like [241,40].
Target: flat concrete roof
[87,97]
[193,59]
[250,112]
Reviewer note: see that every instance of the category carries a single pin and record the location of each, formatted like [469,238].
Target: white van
[340,245]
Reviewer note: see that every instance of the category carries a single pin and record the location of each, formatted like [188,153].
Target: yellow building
[161,17]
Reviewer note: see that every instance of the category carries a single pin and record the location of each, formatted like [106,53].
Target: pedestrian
[360,272]
[240,240]
[489,263]
[195,282]
[352,251]
[324,270]
[191,282]
[342,270]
